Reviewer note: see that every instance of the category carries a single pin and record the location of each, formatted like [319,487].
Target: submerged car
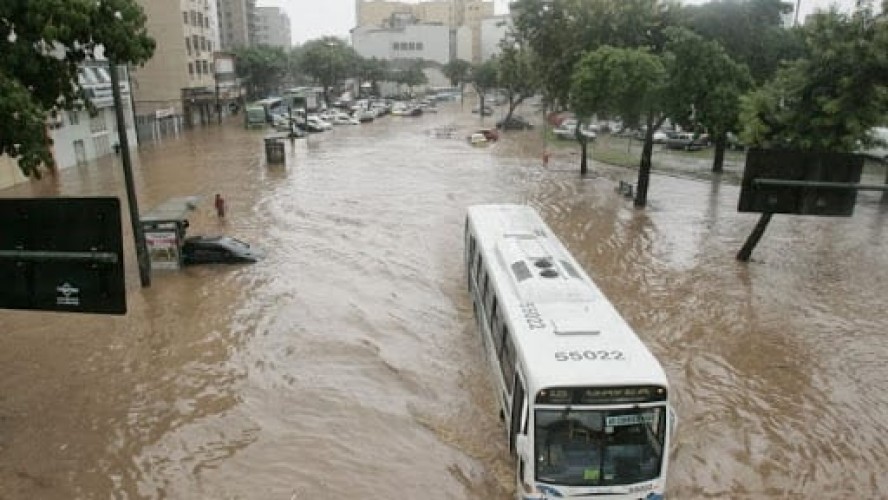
[218,249]
[514,123]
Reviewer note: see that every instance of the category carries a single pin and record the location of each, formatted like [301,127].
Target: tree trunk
[644,169]
[481,107]
[885,193]
[718,162]
[584,166]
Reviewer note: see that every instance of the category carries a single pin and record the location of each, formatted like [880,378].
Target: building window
[188,45]
[195,43]
[185,15]
[418,45]
[206,67]
[206,22]
[191,69]
[412,46]
[395,46]
[200,19]
[210,45]
[212,69]
[197,65]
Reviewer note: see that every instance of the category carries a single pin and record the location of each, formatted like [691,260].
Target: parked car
[489,135]
[568,130]
[218,249]
[733,142]
[879,149]
[514,123]
[687,141]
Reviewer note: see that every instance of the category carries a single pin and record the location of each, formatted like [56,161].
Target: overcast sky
[315,18]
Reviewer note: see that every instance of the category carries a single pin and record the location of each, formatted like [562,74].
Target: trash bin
[274,150]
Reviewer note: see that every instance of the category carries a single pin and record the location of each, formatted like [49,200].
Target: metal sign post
[141,250]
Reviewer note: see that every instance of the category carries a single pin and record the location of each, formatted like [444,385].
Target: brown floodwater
[347,365]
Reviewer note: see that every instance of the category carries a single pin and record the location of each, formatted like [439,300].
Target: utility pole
[138,234]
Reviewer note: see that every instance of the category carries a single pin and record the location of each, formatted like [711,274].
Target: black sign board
[802,168]
[62,254]
[601,395]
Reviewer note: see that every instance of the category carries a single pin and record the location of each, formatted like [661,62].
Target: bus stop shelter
[165,226]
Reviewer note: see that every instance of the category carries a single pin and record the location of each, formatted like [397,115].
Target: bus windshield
[597,447]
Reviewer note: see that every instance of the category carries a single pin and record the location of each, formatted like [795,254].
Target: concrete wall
[80,138]
[10,174]
[419,41]
[464,44]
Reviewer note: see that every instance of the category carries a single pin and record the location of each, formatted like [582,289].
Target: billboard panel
[800,167]
[62,254]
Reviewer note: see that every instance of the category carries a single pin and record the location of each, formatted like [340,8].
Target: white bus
[585,402]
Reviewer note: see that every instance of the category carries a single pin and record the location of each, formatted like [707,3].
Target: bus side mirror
[522,448]
[673,422]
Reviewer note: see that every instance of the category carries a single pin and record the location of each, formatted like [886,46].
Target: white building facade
[80,136]
[493,31]
[429,42]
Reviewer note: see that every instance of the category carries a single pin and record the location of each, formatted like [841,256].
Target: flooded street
[347,363]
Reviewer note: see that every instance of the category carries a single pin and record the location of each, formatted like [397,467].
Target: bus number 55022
[589,355]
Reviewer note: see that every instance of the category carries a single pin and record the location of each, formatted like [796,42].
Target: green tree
[457,71]
[43,41]
[372,71]
[705,87]
[830,99]
[751,31]
[414,76]
[329,60]
[515,74]
[559,32]
[629,83]
[262,67]
[484,78]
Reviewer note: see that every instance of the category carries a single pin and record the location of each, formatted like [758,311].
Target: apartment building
[430,42]
[174,89]
[238,21]
[273,27]
[454,14]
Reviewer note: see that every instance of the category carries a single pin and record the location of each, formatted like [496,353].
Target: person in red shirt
[220,205]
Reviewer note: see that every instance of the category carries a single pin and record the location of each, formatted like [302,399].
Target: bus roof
[567,333]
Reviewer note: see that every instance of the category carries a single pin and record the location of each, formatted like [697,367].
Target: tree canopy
[705,86]
[831,98]
[515,73]
[43,43]
[262,67]
[457,71]
[329,60]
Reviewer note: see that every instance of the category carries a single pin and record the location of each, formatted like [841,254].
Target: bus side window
[479,265]
[495,323]
[507,359]
[493,311]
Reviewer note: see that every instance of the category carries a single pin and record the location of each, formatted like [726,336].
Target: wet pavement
[346,364]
